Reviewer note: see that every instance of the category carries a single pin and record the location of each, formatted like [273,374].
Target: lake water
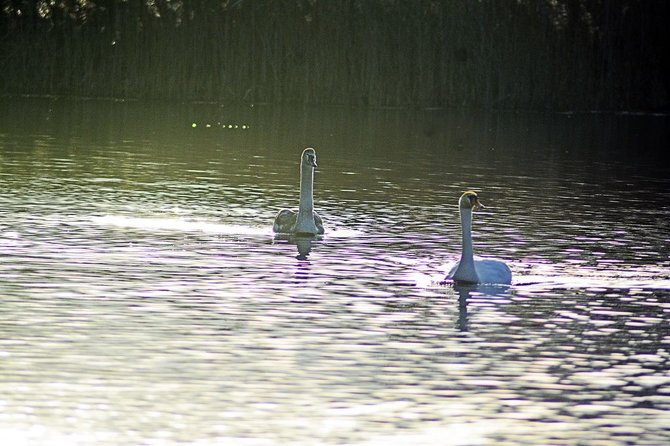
[144,299]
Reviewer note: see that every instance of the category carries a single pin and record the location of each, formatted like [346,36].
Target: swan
[306,220]
[469,270]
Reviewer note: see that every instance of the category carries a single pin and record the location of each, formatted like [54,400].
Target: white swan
[306,220]
[469,270]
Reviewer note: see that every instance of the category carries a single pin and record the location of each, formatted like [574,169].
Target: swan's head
[309,157]
[470,201]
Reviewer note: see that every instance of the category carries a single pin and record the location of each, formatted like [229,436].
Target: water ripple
[146,300]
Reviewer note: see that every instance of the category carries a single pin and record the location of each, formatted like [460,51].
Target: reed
[513,54]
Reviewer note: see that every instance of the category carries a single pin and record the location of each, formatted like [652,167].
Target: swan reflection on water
[302,242]
[465,293]
[463,296]
[304,245]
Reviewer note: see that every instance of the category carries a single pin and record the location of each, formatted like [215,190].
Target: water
[145,300]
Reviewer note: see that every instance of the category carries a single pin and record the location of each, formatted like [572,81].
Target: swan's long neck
[466,271]
[305,220]
[306,189]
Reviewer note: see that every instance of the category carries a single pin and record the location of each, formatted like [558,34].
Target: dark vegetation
[511,54]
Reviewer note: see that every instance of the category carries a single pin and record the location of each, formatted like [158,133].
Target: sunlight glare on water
[145,299]
[178,224]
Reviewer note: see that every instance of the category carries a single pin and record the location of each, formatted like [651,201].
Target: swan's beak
[477,205]
[312,161]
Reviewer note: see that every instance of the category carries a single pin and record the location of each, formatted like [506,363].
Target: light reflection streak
[179,224]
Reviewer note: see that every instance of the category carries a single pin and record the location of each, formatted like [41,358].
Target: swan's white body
[469,270]
[306,220]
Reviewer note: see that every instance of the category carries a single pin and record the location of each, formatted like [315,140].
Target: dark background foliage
[509,54]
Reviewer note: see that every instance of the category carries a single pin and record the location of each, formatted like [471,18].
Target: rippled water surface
[145,300]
